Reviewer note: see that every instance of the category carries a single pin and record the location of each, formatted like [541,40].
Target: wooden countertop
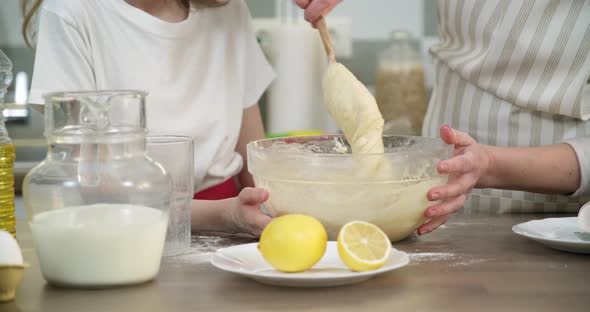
[474,263]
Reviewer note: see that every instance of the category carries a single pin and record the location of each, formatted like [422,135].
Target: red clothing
[223,190]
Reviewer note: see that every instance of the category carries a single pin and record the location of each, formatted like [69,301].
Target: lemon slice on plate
[362,246]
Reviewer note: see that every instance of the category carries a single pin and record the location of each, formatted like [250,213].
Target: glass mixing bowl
[318,176]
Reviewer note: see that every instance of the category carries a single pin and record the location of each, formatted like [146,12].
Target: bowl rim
[440,147]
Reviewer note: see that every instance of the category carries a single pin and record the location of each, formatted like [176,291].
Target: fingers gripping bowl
[318,176]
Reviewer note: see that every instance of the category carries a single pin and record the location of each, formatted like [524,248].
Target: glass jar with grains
[400,87]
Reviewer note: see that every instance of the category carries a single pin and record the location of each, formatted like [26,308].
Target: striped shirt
[515,73]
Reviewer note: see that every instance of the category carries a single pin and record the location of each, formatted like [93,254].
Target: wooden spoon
[325,34]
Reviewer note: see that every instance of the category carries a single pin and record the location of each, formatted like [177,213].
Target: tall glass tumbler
[175,154]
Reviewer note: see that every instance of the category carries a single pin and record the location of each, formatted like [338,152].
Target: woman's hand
[468,169]
[244,214]
[314,9]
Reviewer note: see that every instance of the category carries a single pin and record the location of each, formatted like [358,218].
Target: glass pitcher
[97,205]
[400,87]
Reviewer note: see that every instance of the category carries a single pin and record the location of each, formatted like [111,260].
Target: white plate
[559,233]
[246,260]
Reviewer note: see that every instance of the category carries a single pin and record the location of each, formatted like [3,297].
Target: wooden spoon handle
[325,34]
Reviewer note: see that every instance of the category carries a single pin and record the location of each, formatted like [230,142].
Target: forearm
[552,169]
[251,130]
[209,215]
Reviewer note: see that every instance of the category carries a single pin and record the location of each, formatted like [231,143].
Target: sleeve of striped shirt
[582,148]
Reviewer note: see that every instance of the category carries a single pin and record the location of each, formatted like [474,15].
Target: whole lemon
[293,243]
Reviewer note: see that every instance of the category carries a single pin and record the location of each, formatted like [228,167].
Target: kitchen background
[360,30]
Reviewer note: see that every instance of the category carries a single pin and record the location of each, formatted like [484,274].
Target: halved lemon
[363,246]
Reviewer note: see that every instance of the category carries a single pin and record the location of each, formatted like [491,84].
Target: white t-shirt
[200,73]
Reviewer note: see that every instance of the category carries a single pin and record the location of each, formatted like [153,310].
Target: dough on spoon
[354,109]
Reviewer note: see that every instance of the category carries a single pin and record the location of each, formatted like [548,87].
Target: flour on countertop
[456,260]
[431,256]
[469,262]
[192,257]
[203,248]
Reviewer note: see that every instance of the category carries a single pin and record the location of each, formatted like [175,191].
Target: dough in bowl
[354,108]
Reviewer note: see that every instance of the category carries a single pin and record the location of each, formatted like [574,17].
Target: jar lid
[400,35]
[403,49]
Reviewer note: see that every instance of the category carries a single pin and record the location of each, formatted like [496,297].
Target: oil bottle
[7,155]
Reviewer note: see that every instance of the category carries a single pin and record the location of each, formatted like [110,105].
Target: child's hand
[466,170]
[245,216]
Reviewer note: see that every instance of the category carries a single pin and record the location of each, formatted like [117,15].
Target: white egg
[10,253]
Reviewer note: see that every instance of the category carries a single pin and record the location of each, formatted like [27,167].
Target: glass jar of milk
[97,205]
